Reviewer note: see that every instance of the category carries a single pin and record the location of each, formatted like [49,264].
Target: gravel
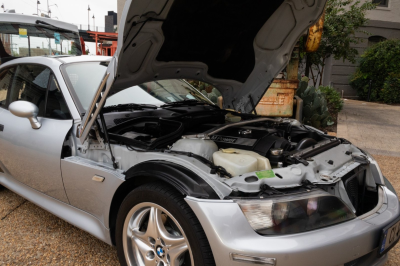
[30,235]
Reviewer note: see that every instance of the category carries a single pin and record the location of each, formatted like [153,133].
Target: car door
[33,156]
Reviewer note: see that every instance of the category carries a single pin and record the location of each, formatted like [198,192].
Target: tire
[155,224]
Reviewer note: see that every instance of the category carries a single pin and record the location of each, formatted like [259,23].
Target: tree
[343,18]
[379,64]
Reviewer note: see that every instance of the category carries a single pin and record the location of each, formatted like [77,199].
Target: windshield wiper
[128,106]
[190,102]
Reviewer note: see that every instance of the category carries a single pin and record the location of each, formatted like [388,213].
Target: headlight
[295,213]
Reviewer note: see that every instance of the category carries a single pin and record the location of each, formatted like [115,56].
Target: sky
[72,11]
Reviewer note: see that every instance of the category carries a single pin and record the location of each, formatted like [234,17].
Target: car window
[84,78]
[30,84]
[5,81]
[56,106]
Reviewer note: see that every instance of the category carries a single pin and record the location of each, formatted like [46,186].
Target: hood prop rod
[253,105]
[103,124]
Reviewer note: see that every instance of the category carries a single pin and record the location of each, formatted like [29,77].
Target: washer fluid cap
[230,150]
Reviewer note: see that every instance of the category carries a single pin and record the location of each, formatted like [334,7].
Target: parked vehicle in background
[25,35]
[125,149]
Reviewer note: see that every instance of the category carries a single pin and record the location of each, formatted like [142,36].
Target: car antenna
[103,124]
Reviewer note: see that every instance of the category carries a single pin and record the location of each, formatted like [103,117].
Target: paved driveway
[371,126]
[375,128]
[31,236]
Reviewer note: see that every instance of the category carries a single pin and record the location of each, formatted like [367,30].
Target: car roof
[22,18]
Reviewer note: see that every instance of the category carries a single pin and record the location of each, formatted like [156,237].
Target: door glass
[30,84]
[56,106]
[5,80]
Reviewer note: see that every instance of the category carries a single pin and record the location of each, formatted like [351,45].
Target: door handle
[1,128]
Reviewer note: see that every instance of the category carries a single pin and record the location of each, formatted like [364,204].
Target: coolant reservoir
[238,162]
[204,148]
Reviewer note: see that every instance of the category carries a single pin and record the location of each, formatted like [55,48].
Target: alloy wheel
[153,237]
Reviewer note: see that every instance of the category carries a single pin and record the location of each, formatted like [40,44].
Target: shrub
[335,103]
[376,64]
[391,89]
[315,107]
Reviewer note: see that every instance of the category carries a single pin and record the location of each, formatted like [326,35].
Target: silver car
[125,149]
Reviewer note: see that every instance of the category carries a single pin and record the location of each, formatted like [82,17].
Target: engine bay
[278,140]
[256,157]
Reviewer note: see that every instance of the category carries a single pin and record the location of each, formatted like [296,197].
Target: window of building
[5,81]
[375,39]
[383,3]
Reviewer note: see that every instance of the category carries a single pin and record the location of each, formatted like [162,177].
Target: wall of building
[120,7]
[384,22]
[390,13]
[110,21]
[338,73]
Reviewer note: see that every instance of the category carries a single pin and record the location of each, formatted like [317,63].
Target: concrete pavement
[371,126]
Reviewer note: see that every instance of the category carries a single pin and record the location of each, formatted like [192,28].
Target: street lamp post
[88,17]
[37,5]
[94,24]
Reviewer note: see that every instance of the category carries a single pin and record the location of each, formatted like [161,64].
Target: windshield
[85,78]
[157,93]
[20,39]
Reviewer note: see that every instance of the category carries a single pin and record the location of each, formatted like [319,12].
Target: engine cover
[252,139]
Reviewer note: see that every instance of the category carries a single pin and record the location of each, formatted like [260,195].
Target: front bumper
[228,231]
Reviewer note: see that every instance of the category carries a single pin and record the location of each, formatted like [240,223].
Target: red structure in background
[83,46]
[100,37]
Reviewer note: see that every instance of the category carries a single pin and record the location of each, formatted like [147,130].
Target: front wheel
[156,227]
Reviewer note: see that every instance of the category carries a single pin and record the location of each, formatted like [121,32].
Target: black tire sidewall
[173,202]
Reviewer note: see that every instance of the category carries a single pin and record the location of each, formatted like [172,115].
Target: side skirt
[70,214]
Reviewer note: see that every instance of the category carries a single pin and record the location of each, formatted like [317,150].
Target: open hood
[238,46]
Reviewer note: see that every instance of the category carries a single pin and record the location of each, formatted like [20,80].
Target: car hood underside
[238,46]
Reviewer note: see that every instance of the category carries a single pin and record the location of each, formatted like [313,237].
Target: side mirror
[26,110]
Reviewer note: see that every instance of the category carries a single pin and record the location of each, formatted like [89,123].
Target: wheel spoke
[173,241]
[143,250]
[155,226]
[143,247]
[136,235]
[175,252]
